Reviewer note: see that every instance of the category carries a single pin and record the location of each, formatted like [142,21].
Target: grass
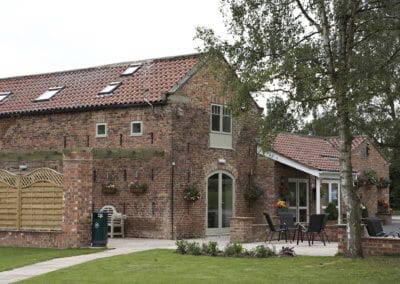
[16,257]
[165,266]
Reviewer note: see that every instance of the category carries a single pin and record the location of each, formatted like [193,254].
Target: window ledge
[100,136]
[136,135]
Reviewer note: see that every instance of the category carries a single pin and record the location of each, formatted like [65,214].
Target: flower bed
[231,250]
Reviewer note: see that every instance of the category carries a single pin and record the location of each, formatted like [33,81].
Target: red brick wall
[195,160]
[375,161]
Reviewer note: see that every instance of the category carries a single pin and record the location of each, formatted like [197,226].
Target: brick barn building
[160,123]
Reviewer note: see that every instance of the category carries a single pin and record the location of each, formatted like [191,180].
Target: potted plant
[281,206]
[138,188]
[109,188]
[192,193]
[253,194]
[332,211]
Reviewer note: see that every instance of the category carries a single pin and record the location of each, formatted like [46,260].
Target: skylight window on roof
[4,95]
[131,69]
[109,89]
[47,95]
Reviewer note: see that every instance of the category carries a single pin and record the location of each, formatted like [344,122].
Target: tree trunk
[349,192]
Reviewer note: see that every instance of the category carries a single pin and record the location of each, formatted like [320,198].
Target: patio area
[318,249]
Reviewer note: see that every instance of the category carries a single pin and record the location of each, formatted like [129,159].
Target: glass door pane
[292,196]
[226,202]
[302,194]
[212,202]
[334,193]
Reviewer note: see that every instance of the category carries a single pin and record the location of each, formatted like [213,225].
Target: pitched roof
[149,83]
[320,153]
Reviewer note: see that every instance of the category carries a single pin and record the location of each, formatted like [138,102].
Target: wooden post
[19,204]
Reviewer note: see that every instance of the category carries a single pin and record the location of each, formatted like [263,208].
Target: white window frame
[131,69]
[109,89]
[106,130]
[221,120]
[4,95]
[330,182]
[49,94]
[141,128]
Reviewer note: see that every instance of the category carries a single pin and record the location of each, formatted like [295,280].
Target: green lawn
[16,257]
[165,266]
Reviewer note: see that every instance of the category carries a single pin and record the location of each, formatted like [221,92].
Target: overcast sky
[51,35]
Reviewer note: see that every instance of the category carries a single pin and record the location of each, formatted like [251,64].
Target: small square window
[101,130]
[136,128]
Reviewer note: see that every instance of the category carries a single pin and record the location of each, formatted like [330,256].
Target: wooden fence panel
[32,201]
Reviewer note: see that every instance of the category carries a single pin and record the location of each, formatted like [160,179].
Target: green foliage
[234,249]
[262,251]
[181,246]
[210,248]
[332,211]
[324,125]
[254,193]
[194,248]
[191,193]
[31,156]
[138,187]
[112,153]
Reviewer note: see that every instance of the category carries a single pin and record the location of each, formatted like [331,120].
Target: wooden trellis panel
[34,200]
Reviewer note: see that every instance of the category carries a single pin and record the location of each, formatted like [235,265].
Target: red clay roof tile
[317,152]
[149,83]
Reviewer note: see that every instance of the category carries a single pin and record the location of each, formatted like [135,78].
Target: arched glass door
[219,203]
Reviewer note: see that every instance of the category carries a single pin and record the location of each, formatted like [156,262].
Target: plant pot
[106,189]
[138,188]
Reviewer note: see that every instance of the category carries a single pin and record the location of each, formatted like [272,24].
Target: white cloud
[43,35]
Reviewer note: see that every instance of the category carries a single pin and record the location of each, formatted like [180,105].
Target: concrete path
[125,246]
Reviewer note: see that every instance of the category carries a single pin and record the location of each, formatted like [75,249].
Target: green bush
[181,246]
[262,251]
[234,249]
[210,248]
[194,248]
[332,211]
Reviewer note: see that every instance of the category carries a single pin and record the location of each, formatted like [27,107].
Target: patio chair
[324,226]
[287,222]
[315,228]
[115,221]
[273,230]
[375,228]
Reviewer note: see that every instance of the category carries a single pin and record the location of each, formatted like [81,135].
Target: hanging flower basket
[109,188]
[192,193]
[138,188]
[253,194]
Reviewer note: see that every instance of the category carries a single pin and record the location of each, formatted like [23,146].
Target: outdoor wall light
[221,161]
[23,167]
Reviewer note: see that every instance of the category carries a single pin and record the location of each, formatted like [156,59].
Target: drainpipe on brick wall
[172,198]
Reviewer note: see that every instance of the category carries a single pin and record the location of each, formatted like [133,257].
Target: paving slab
[125,246]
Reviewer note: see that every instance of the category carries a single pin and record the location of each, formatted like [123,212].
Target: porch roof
[317,156]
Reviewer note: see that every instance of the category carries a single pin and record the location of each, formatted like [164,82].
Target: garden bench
[115,221]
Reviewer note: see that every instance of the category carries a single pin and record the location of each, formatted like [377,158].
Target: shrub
[181,246]
[211,248]
[194,248]
[234,249]
[262,251]
[332,211]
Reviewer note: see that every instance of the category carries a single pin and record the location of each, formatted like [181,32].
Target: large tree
[316,54]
